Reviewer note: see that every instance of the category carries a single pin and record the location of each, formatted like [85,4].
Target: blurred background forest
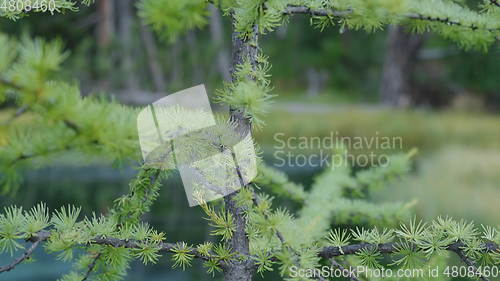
[443,100]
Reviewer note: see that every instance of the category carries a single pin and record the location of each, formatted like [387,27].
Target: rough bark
[400,59]
[243,48]
[240,269]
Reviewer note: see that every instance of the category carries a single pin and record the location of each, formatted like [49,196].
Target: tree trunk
[105,26]
[176,64]
[316,80]
[194,60]
[125,19]
[153,61]
[217,36]
[400,60]
[105,30]
[240,269]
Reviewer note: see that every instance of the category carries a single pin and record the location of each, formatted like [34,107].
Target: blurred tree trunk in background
[105,25]
[217,37]
[193,57]
[125,22]
[316,81]
[153,60]
[105,30]
[176,64]
[400,59]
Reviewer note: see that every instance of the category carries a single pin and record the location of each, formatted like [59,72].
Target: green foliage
[338,238]
[173,18]
[407,256]
[143,192]
[370,257]
[37,219]
[11,224]
[249,92]
[416,243]
[278,183]
[414,231]
[60,119]
[182,257]
[450,19]
[378,177]
[68,233]
[222,222]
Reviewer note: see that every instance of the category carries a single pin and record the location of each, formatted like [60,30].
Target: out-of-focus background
[436,97]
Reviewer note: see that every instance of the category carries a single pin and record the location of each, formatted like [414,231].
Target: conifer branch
[9,84]
[468,261]
[256,202]
[71,126]
[448,21]
[389,248]
[414,16]
[20,111]
[352,277]
[290,9]
[23,109]
[92,266]
[50,151]
[26,255]
[131,244]
[166,247]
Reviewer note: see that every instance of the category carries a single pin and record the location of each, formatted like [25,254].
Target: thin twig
[20,111]
[468,261]
[9,84]
[352,277]
[315,12]
[91,266]
[388,248]
[26,255]
[120,243]
[415,16]
[256,202]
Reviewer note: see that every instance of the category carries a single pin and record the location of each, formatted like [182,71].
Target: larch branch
[91,266]
[44,235]
[315,12]
[26,255]
[352,277]
[389,248]
[289,10]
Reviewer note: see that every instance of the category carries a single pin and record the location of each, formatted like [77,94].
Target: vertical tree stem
[240,270]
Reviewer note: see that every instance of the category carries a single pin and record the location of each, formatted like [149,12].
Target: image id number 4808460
[18,6]
[470,271]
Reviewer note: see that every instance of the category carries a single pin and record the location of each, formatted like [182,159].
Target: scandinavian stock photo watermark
[428,272]
[334,149]
[181,132]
